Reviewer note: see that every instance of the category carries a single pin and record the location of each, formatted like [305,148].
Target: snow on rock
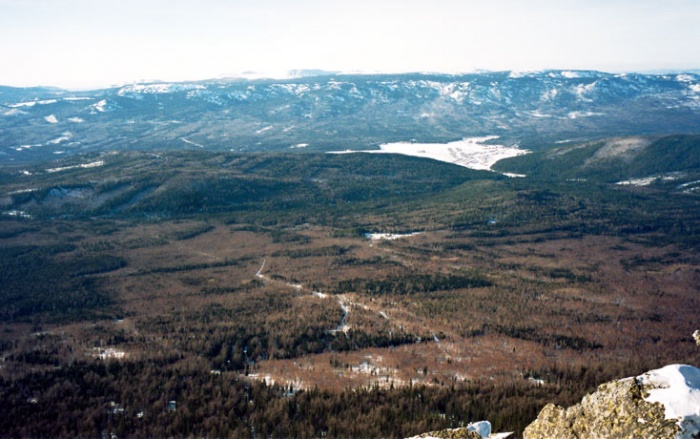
[660,404]
[481,429]
[677,388]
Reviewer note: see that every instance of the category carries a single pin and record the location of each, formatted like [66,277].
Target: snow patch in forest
[108,353]
[82,165]
[17,214]
[389,236]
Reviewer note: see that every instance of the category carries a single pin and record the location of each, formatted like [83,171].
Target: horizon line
[292,74]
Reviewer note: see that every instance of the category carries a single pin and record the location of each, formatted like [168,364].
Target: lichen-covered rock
[627,408]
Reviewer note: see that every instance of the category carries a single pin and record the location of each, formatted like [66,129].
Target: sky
[82,44]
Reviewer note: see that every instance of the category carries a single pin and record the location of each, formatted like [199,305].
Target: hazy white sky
[91,43]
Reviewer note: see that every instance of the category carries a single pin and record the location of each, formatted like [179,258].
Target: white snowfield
[677,388]
[471,152]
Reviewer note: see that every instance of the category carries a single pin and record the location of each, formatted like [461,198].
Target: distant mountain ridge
[332,111]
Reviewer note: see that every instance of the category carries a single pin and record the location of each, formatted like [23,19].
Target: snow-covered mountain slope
[335,112]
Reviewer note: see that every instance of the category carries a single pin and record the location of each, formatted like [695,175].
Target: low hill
[672,162]
[176,184]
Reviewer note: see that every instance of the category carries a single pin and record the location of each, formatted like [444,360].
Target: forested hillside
[161,293]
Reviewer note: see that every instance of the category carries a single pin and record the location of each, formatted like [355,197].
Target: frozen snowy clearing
[84,166]
[471,152]
[107,353]
[646,181]
[389,236]
[262,130]
[189,142]
[17,213]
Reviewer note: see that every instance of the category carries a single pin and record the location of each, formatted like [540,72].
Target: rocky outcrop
[660,404]
[476,430]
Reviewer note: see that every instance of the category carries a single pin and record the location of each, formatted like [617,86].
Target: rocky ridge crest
[660,404]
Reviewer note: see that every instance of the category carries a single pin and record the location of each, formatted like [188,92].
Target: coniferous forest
[201,294]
